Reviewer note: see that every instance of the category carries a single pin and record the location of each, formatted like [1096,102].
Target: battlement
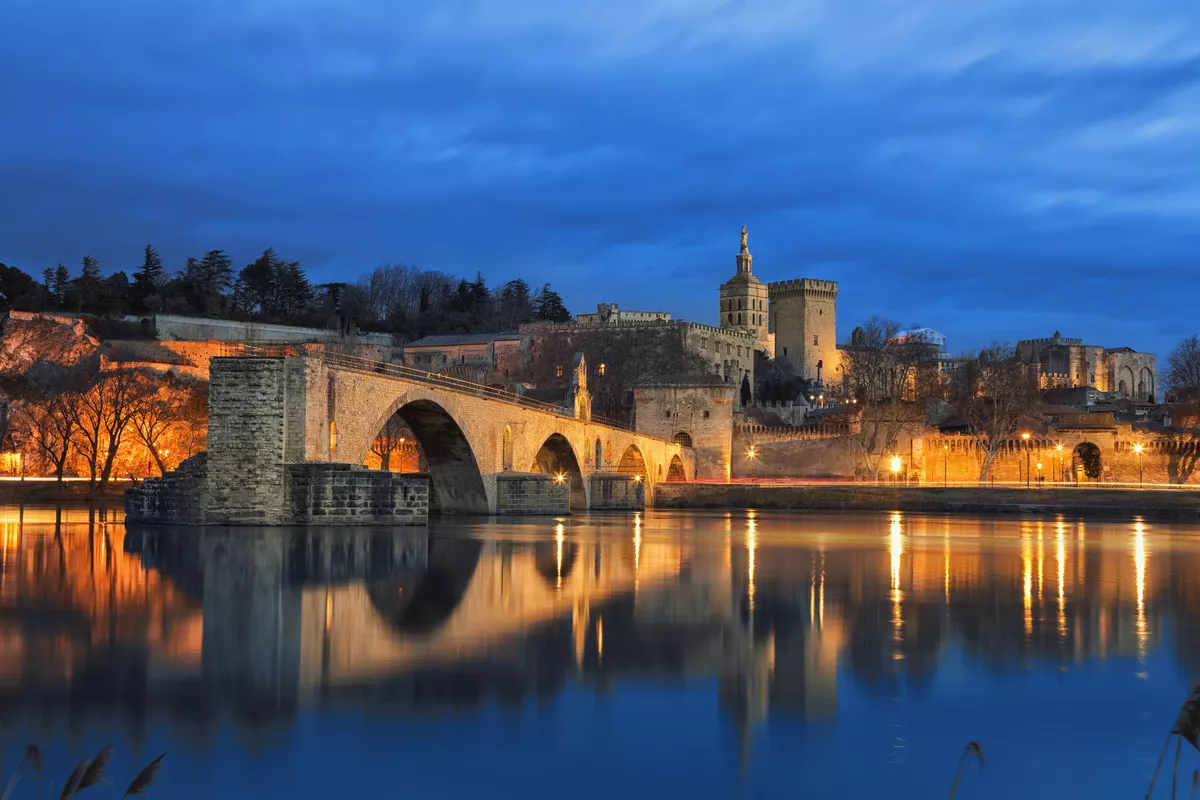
[1051,340]
[810,287]
[749,336]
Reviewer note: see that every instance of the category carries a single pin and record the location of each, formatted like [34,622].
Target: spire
[744,258]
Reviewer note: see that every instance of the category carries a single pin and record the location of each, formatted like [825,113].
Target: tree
[389,440]
[47,405]
[205,281]
[746,394]
[1183,369]
[998,397]
[882,372]
[163,406]
[62,281]
[91,269]
[273,287]
[148,280]
[549,306]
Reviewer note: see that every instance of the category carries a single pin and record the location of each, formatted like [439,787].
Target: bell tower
[744,303]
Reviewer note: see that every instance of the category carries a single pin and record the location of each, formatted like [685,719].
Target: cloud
[993,169]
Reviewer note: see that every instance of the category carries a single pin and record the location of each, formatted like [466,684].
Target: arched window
[599,455]
[683,438]
[506,449]
[739,319]
[332,438]
[731,319]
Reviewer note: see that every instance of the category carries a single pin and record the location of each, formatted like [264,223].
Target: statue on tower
[745,247]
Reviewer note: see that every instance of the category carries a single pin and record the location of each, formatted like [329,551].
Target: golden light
[637,478]
[896,464]
[1058,447]
[166,451]
[1137,448]
[403,440]
[601,370]
[1039,465]
[1025,436]
[751,453]
[560,477]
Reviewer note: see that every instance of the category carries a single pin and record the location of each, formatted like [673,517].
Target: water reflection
[250,628]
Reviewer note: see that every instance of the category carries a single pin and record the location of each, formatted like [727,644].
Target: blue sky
[989,168]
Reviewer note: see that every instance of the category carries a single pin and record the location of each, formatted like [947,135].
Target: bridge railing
[399,371]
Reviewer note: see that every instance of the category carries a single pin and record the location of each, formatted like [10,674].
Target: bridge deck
[387,369]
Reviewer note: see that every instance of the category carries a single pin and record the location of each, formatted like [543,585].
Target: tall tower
[804,322]
[744,301]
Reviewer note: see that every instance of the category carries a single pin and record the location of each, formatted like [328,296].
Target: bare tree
[998,397]
[164,406]
[109,404]
[389,440]
[1183,368]
[50,421]
[882,372]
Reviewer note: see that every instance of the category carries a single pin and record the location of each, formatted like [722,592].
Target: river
[696,654]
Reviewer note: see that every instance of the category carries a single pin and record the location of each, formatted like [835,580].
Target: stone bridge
[288,435]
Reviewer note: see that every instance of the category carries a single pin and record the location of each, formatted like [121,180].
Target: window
[785,351]
[601,369]
[707,413]
[815,341]
[667,414]
[731,319]
[739,319]
[728,349]
[683,438]
[558,371]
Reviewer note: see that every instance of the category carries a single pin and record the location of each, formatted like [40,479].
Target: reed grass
[87,773]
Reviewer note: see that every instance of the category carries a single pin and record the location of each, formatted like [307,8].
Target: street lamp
[945,465]
[1025,436]
[1137,448]
[751,454]
[1058,447]
[896,464]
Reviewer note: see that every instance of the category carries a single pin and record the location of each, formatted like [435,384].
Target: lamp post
[751,454]
[1039,469]
[895,465]
[1137,448]
[1025,436]
[1058,447]
[945,465]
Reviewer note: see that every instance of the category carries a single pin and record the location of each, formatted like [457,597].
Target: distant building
[505,354]
[922,336]
[745,301]
[1065,363]
[611,313]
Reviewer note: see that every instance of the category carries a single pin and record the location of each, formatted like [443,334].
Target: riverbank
[37,491]
[1110,503]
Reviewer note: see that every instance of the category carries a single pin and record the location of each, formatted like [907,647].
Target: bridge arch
[556,457]
[676,471]
[456,482]
[633,462]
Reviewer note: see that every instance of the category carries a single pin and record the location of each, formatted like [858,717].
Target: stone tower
[744,301]
[804,323]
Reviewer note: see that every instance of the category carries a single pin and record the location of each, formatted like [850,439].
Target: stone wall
[519,493]
[804,456]
[346,494]
[173,326]
[701,412]
[176,498]
[612,491]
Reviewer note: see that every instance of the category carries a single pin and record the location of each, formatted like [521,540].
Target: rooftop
[449,340]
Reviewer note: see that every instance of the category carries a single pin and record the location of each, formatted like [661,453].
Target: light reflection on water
[711,653]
